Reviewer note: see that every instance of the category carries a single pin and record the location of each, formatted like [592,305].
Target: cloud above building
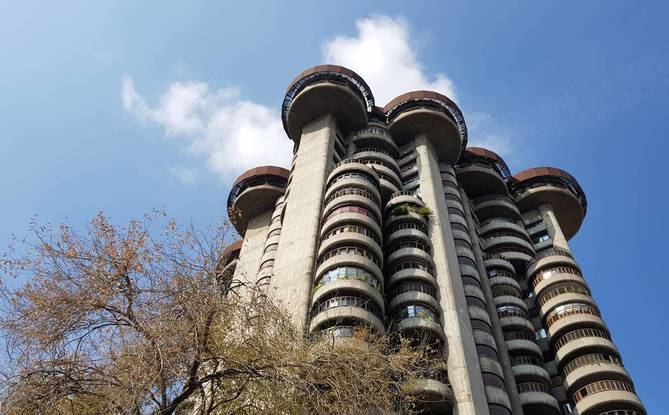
[233,134]
[383,54]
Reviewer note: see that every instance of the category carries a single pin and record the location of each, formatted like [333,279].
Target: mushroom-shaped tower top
[254,192]
[555,187]
[326,89]
[432,114]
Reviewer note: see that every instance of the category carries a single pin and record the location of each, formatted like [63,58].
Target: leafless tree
[131,320]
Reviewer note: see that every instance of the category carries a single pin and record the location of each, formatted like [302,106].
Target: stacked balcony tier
[491,369]
[591,366]
[348,282]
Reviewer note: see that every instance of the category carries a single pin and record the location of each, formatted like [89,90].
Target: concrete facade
[388,221]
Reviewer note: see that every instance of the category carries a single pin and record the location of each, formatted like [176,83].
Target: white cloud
[232,134]
[383,54]
[185,175]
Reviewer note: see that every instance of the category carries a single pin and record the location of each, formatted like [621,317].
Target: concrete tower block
[463,365]
[296,255]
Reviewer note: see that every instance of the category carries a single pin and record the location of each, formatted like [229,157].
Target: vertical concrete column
[296,255]
[498,333]
[463,365]
[553,227]
[252,248]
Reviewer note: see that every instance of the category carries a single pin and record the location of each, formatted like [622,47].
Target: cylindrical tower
[591,366]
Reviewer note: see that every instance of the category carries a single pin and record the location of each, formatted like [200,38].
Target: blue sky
[121,107]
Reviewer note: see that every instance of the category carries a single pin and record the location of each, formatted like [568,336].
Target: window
[540,237]
[541,334]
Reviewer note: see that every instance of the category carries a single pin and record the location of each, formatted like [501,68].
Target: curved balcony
[432,114]
[481,171]
[548,278]
[501,225]
[556,187]
[583,341]
[493,262]
[351,219]
[476,313]
[474,291]
[413,297]
[322,90]
[404,197]
[606,395]
[510,323]
[536,399]
[403,216]
[496,206]
[573,316]
[531,373]
[504,300]
[345,315]
[347,287]
[375,135]
[408,254]
[419,327]
[551,257]
[506,285]
[462,236]
[523,346]
[254,192]
[508,239]
[352,182]
[349,260]
[375,153]
[385,173]
[352,200]
[565,298]
[410,233]
[489,365]
[517,255]
[485,338]
[411,274]
[431,395]
[497,396]
[352,166]
[592,367]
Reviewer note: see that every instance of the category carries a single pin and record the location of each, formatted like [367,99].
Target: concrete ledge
[574,321]
[564,299]
[407,217]
[413,297]
[551,261]
[516,323]
[407,234]
[411,274]
[353,200]
[497,396]
[524,345]
[351,182]
[510,300]
[499,263]
[539,403]
[492,208]
[348,239]
[409,253]
[492,243]
[564,353]
[606,400]
[422,324]
[500,225]
[491,366]
[555,279]
[435,396]
[578,378]
[349,259]
[476,313]
[530,373]
[345,287]
[350,218]
[346,313]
